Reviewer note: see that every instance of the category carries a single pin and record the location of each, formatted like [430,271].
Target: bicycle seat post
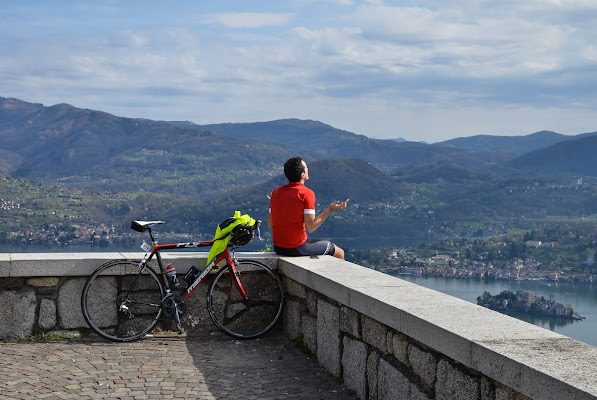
[151,235]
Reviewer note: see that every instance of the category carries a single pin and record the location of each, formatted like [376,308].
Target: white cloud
[432,68]
[249,20]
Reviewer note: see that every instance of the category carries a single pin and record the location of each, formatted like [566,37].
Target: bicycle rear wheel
[122,301]
[246,319]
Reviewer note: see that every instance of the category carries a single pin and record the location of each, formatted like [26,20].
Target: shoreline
[574,316]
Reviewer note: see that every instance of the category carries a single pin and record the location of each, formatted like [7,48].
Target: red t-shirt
[288,205]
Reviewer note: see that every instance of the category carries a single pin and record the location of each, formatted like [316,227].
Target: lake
[582,297]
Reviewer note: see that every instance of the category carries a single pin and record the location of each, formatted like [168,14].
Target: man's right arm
[269,220]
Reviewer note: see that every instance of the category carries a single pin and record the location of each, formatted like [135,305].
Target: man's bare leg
[339,253]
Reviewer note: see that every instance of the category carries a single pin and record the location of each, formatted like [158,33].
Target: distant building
[528,297]
[441,258]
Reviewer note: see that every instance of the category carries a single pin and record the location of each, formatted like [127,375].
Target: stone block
[294,289]
[453,384]
[416,394]
[309,328]
[372,367]
[292,319]
[487,389]
[57,264]
[320,274]
[17,314]
[546,367]
[349,322]
[69,304]
[328,337]
[42,282]
[502,394]
[311,303]
[47,314]
[197,319]
[354,366]
[423,364]
[268,258]
[4,265]
[11,283]
[375,333]
[391,383]
[400,348]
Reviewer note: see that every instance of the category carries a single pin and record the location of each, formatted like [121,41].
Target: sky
[419,70]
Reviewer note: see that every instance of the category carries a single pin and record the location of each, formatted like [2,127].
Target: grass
[53,336]
[300,344]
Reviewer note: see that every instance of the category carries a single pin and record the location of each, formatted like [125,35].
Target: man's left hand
[338,206]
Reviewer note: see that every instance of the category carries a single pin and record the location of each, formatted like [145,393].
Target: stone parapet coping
[531,360]
[15,265]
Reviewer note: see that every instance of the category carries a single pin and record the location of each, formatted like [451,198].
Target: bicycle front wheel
[246,318]
[121,301]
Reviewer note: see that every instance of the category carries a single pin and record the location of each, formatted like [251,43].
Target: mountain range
[195,174]
[96,148]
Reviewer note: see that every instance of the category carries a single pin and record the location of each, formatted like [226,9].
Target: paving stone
[210,366]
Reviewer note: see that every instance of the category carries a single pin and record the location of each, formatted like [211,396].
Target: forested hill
[331,180]
[99,151]
[93,168]
[510,144]
[318,140]
[94,149]
[571,157]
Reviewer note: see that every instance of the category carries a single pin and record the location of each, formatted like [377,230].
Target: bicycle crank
[173,307]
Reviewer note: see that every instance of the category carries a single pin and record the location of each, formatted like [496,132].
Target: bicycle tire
[246,319]
[118,283]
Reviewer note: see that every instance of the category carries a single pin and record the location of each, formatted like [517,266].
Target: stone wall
[376,361]
[42,295]
[390,339]
[385,337]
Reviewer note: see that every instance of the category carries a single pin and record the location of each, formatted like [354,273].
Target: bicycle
[124,300]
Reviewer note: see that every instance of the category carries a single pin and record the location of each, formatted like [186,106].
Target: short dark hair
[293,169]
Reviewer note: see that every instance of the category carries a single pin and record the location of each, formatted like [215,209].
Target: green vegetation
[568,250]
[300,344]
[52,336]
[98,172]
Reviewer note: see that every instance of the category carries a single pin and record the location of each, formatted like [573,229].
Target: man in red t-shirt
[292,213]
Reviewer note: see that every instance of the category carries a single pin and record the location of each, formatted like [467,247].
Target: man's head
[294,169]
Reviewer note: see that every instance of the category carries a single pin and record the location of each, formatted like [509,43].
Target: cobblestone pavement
[211,366]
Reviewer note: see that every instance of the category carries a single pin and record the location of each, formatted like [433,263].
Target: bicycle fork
[234,275]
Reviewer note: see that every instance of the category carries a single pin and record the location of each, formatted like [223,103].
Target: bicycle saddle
[141,226]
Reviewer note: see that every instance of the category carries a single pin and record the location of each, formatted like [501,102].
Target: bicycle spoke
[122,303]
[246,318]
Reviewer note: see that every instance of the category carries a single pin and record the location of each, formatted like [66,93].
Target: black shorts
[312,247]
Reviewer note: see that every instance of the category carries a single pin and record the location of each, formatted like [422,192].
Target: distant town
[538,261]
[71,235]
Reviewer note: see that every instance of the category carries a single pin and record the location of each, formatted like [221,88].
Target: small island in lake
[527,302]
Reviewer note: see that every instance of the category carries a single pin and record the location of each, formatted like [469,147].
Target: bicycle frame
[227,254]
